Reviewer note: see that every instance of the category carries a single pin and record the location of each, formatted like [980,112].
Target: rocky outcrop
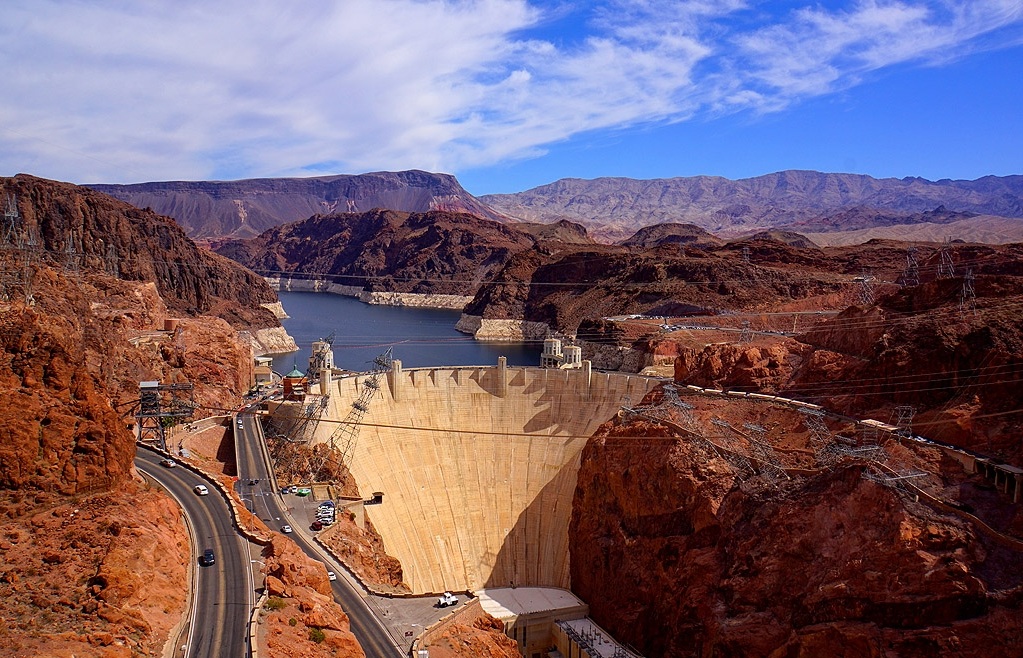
[273,340]
[484,638]
[300,618]
[246,208]
[384,251]
[78,228]
[496,329]
[95,559]
[679,555]
[671,233]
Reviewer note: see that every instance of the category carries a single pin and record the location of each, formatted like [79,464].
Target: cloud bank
[119,91]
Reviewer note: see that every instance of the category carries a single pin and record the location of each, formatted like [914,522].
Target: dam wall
[478,467]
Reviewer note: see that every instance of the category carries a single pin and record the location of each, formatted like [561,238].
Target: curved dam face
[478,467]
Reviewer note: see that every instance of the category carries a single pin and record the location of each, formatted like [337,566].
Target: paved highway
[268,505]
[222,608]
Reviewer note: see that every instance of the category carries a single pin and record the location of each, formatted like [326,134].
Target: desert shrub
[317,635]
[274,603]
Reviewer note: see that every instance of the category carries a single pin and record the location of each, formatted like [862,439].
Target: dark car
[207,558]
[316,525]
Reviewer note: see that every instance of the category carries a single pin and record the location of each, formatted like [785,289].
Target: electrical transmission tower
[902,418]
[746,332]
[821,439]
[732,450]
[745,255]
[156,409]
[770,466]
[968,298]
[111,263]
[866,289]
[946,268]
[344,438]
[71,255]
[12,220]
[911,275]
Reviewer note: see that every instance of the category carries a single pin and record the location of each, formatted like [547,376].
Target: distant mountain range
[806,201]
[246,208]
[613,209]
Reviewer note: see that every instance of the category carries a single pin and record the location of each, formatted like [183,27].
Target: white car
[286,529]
[201,490]
[446,599]
[331,575]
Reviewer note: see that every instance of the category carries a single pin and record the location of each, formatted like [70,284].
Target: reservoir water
[420,337]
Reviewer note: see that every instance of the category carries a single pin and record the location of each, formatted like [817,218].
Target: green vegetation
[317,635]
[274,603]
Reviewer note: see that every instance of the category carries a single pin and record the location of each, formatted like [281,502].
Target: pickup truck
[446,599]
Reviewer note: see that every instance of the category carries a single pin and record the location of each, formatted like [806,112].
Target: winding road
[221,604]
[263,498]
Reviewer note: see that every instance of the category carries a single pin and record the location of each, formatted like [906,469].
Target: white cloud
[124,91]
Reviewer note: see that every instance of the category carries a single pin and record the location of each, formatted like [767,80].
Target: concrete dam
[478,466]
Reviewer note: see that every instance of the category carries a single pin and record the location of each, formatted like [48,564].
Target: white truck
[446,599]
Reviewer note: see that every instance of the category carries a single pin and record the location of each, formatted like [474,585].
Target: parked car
[201,490]
[316,525]
[286,529]
[168,463]
[446,599]
[327,504]
[303,491]
[207,558]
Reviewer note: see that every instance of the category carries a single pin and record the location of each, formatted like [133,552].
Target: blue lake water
[420,337]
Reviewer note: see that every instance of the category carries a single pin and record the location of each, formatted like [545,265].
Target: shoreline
[417,300]
[609,357]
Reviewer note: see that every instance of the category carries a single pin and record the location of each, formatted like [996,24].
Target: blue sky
[509,94]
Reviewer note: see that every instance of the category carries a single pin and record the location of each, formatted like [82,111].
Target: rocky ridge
[89,283]
[681,553]
[614,208]
[385,251]
[246,208]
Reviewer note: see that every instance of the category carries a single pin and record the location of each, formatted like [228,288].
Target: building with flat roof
[530,613]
